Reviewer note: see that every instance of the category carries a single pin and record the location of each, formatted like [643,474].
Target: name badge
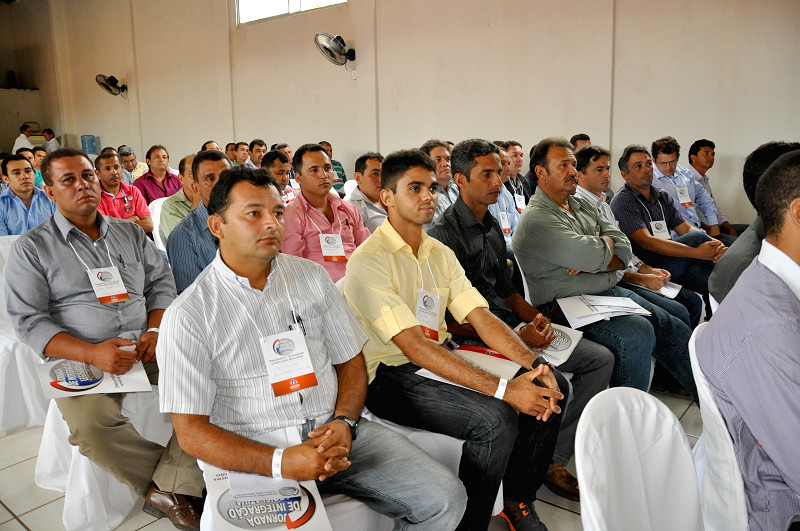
[504,224]
[519,199]
[332,247]
[288,195]
[428,305]
[288,362]
[660,230]
[683,196]
[108,285]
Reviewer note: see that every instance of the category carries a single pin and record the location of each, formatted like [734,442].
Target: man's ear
[793,212]
[540,173]
[47,190]
[387,197]
[217,226]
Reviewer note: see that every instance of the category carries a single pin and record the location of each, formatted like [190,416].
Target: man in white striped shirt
[216,384]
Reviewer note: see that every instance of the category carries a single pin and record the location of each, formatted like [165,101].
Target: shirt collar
[395,242]
[779,263]
[65,226]
[467,217]
[586,194]
[552,205]
[227,273]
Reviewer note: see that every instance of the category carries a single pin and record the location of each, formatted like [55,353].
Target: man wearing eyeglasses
[688,195]
[120,200]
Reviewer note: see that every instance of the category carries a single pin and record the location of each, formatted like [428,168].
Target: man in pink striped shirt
[319,225]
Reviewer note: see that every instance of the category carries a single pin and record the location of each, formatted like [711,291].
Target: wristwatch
[350,422]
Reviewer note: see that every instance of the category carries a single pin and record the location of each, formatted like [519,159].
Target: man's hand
[334,433]
[573,272]
[663,273]
[304,462]
[709,250]
[527,397]
[134,219]
[653,282]
[615,264]
[538,333]
[713,230]
[109,357]
[146,347]
[720,251]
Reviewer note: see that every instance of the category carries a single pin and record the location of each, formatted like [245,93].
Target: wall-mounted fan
[334,48]
[110,84]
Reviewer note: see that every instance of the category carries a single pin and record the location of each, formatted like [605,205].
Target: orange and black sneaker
[521,516]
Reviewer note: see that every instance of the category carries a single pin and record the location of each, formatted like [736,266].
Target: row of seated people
[386,281]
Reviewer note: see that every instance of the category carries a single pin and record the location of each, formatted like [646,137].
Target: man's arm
[226,450]
[521,393]
[145,222]
[705,251]
[352,380]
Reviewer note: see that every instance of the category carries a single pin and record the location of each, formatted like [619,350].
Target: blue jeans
[690,273]
[635,338]
[686,306]
[499,444]
[392,476]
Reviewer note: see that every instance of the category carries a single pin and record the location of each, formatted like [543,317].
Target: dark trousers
[499,444]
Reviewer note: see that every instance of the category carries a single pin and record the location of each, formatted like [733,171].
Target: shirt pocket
[133,277]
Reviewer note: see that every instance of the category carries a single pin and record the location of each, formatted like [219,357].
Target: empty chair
[155,212]
[634,465]
[721,486]
[348,188]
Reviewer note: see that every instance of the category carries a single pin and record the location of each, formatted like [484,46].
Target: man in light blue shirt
[448,192]
[505,203]
[22,205]
[190,246]
[687,194]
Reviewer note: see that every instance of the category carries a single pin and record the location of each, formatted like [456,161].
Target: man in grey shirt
[566,247]
[55,310]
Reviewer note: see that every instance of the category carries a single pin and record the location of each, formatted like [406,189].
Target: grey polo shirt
[548,240]
[48,289]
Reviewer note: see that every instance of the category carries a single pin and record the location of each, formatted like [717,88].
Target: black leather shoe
[177,507]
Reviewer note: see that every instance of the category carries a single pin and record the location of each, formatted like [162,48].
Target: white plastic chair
[22,402]
[634,465]
[94,499]
[722,495]
[348,188]
[155,212]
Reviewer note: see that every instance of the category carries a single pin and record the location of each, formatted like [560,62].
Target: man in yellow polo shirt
[398,284]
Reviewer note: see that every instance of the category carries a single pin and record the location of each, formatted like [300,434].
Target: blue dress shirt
[190,247]
[16,219]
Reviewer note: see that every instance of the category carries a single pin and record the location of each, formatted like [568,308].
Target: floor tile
[5,516]
[550,497]
[557,519]
[162,524]
[678,405]
[18,490]
[136,518]
[692,422]
[12,525]
[19,446]
[47,517]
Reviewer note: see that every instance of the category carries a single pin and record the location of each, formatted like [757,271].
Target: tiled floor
[23,505]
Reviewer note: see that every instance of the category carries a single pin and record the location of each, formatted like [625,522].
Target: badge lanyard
[106,281]
[428,306]
[683,194]
[286,354]
[331,244]
[659,231]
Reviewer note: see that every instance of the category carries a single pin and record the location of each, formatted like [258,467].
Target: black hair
[465,152]
[399,162]
[361,162]
[758,161]
[777,188]
[297,160]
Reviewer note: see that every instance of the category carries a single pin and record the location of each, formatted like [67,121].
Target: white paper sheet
[65,378]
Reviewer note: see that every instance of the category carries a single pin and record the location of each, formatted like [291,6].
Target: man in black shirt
[475,236]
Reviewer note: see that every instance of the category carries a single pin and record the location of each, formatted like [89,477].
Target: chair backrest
[634,465]
[524,282]
[722,489]
[348,188]
[6,243]
[155,211]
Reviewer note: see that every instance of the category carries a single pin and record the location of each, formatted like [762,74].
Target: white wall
[621,70]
